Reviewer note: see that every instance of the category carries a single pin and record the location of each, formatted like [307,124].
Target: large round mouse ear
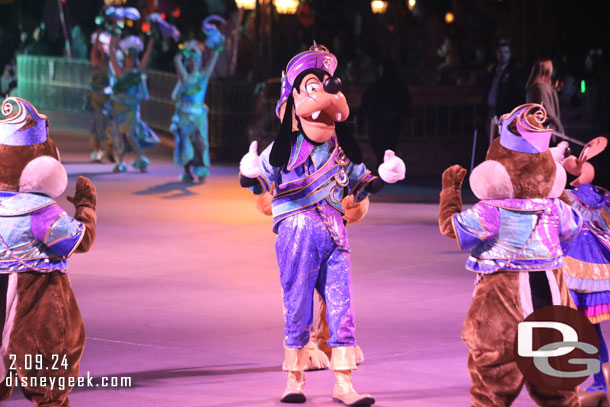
[44,175]
[579,167]
[593,148]
[490,180]
[587,173]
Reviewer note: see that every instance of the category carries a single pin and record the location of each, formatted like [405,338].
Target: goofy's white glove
[393,168]
[250,164]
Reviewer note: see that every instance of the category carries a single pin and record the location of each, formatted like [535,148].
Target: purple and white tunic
[587,257]
[36,234]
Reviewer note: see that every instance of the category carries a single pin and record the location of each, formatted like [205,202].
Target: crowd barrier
[236,113]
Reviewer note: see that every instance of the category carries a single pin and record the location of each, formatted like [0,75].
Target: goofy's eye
[312,87]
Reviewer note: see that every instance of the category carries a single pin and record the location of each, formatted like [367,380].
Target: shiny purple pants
[310,260]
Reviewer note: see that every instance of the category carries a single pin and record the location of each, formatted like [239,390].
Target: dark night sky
[564,30]
[537,28]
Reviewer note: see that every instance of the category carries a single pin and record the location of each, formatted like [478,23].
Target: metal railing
[441,121]
[55,83]
[433,116]
[234,110]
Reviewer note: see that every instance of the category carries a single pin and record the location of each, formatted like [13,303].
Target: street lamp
[246,4]
[411,4]
[286,6]
[379,6]
[449,17]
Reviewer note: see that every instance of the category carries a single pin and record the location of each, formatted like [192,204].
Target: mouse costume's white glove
[250,164]
[393,168]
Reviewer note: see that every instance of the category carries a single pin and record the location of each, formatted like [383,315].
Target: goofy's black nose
[332,85]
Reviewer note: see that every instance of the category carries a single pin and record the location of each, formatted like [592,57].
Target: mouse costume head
[519,163]
[311,102]
[581,167]
[29,160]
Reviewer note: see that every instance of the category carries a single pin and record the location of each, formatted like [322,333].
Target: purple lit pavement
[181,293]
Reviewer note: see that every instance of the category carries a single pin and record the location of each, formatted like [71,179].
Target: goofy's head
[311,102]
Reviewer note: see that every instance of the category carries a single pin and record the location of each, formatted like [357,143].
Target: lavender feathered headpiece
[165,29]
[131,42]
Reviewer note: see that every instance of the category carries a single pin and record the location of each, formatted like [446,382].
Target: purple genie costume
[312,247]
[587,257]
[587,263]
[308,185]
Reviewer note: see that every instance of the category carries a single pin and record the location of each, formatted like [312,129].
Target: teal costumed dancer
[131,133]
[190,122]
[99,99]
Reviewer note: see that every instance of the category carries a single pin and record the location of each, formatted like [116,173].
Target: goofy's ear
[348,143]
[280,152]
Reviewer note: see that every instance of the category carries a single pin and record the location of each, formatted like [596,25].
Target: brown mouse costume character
[42,329]
[513,234]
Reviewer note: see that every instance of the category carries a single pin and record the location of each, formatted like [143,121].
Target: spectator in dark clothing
[385,106]
[504,85]
[540,90]
[8,82]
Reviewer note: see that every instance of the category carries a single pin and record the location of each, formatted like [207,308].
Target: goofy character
[314,172]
